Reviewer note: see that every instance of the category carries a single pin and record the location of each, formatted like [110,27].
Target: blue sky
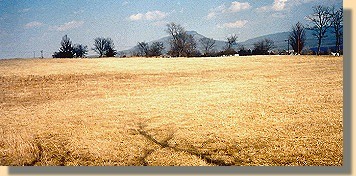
[35,25]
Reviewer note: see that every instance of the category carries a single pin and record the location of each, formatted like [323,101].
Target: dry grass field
[259,110]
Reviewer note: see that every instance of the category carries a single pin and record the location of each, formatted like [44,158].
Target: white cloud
[232,8]
[236,24]
[150,15]
[155,15]
[136,17]
[68,25]
[238,6]
[263,8]
[211,15]
[215,11]
[279,5]
[33,24]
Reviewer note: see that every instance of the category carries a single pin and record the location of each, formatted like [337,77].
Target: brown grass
[278,110]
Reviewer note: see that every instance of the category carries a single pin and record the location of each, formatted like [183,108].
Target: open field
[258,110]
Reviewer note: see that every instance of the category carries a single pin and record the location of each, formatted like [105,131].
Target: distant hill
[281,43]
[278,38]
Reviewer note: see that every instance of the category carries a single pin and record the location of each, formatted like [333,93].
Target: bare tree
[156,49]
[99,46]
[297,37]
[182,44]
[321,22]
[104,47]
[263,47]
[208,45]
[143,49]
[336,19]
[231,42]
[66,49]
[80,50]
[190,45]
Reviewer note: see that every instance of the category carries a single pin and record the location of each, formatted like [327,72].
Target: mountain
[281,43]
[279,39]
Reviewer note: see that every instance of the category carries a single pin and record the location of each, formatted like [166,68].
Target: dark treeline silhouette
[80,50]
[67,50]
[104,47]
[145,50]
[263,47]
[297,37]
[208,45]
[230,45]
[321,22]
[183,44]
[336,21]
[244,51]
[323,18]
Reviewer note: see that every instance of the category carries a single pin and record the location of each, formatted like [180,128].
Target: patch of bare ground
[237,111]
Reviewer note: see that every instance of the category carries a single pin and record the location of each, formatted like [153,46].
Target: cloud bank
[68,26]
[232,8]
[150,15]
[33,24]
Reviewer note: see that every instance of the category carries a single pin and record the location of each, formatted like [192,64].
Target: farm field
[238,111]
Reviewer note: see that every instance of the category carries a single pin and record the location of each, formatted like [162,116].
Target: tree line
[103,46]
[183,44]
[321,20]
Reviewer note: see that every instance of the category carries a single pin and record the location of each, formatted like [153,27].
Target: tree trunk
[319,44]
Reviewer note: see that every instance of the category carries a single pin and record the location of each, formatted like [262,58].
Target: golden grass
[266,110]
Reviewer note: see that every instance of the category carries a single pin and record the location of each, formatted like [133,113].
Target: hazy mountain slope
[281,37]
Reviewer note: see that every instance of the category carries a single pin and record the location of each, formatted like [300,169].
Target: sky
[29,26]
